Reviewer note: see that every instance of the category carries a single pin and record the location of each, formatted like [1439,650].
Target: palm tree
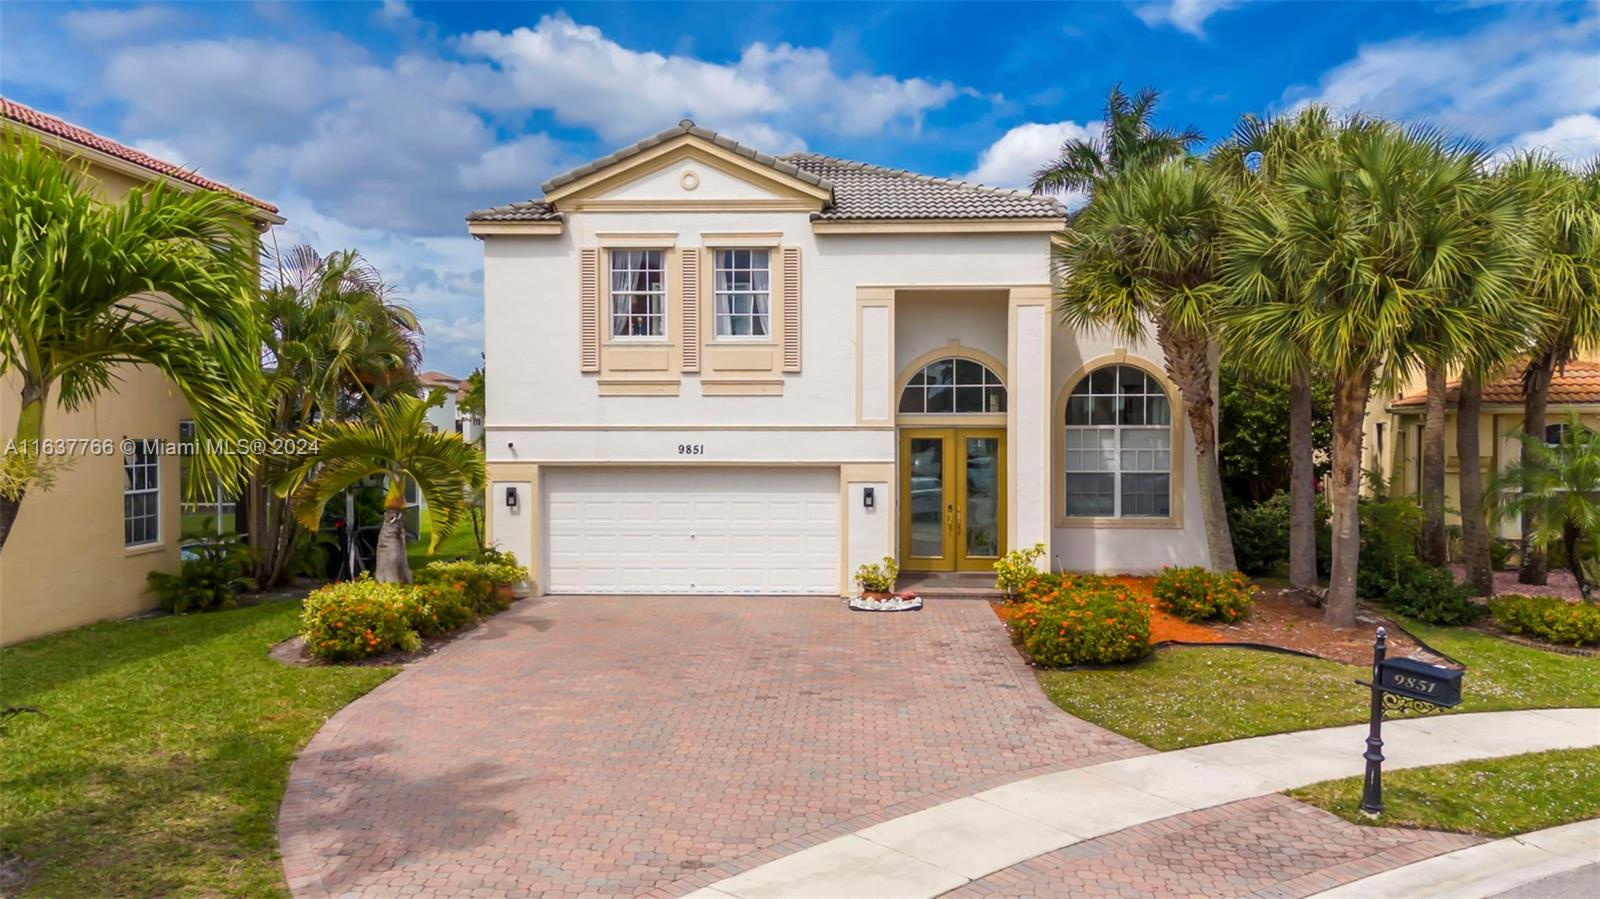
[1257,155]
[163,277]
[1127,139]
[1560,494]
[1370,253]
[1145,251]
[335,340]
[1563,279]
[395,443]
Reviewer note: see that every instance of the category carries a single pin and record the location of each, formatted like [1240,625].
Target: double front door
[952,498]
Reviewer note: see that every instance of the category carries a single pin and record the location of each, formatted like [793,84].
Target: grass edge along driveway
[1187,696]
[161,764]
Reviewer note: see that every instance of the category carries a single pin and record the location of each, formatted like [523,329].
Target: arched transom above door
[953,385]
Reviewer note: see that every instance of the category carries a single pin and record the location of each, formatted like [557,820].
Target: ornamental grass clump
[1549,618]
[1066,620]
[1196,594]
[359,619]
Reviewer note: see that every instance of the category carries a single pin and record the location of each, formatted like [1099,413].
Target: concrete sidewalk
[933,851]
[1558,861]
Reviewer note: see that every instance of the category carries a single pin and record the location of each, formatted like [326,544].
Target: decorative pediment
[687,172]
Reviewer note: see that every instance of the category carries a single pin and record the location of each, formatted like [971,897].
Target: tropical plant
[1144,252]
[335,339]
[210,579]
[1064,621]
[1562,209]
[392,442]
[1195,594]
[1371,253]
[162,277]
[1016,568]
[1558,492]
[1127,140]
[878,578]
[1549,618]
[1257,457]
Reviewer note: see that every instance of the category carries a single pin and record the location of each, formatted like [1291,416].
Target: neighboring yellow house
[1394,429]
[80,552]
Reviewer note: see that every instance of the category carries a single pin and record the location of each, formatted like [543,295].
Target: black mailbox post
[1402,684]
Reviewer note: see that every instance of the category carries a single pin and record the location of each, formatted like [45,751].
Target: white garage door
[713,530]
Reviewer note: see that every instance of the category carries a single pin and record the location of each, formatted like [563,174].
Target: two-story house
[717,371]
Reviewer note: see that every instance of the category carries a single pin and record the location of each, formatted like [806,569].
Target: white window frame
[760,300]
[990,386]
[656,300]
[141,477]
[219,507]
[1152,388]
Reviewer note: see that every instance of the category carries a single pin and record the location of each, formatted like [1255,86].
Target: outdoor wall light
[868,498]
[511,497]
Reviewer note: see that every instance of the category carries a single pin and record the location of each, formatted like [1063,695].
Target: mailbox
[1419,680]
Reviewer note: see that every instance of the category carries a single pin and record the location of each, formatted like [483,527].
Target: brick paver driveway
[630,745]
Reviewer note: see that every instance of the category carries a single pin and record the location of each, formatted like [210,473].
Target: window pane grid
[959,386]
[141,495]
[742,288]
[638,293]
[1118,445]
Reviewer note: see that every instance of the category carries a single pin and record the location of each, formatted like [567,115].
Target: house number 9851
[691,449]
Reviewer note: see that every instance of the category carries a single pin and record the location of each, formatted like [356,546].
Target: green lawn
[1185,696]
[1492,797]
[460,543]
[160,767]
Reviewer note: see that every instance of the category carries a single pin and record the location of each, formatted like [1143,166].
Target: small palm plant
[1556,488]
[395,443]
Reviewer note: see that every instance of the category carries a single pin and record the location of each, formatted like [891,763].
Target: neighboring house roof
[860,191]
[431,377]
[1578,383]
[61,128]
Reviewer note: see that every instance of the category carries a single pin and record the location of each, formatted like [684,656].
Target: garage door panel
[693,531]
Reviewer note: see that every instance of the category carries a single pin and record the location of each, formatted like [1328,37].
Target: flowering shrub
[876,578]
[441,607]
[1195,594]
[360,618]
[1548,618]
[1080,620]
[1016,568]
[477,580]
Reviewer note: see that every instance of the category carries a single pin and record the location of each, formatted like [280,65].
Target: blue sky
[377,126]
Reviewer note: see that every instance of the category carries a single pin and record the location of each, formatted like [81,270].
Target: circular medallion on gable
[689,180]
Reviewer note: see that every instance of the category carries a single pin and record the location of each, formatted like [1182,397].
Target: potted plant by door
[877,589]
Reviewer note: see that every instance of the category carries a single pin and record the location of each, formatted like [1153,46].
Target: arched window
[1118,448]
[959,386]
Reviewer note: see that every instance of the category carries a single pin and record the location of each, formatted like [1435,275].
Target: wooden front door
[952,498]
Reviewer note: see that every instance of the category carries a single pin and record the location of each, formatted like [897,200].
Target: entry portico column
[1028,424]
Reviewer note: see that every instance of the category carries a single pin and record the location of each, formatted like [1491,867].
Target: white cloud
[1188,16]
[1012,160]
[1575,138]
[587,79]
[1520,74]
[111,24]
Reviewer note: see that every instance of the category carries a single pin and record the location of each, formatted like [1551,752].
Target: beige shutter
[791,308]
[690,259]
[589,308]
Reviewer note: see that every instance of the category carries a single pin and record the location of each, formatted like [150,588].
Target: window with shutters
[742,289]
[638,294]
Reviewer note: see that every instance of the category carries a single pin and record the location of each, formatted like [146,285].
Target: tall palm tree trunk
[1302,486]
[1474,529]
[30,429]
[392,565]
[1189,365]
[1535,567]
[1349,409]
[1434,549]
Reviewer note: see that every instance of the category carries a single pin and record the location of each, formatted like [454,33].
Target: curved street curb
[924,854]
[1485,870]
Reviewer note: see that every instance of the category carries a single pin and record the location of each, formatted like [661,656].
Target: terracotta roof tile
[1579,382]
[65,130]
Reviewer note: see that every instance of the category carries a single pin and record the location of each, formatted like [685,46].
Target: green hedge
[1064,620]
[1548,618]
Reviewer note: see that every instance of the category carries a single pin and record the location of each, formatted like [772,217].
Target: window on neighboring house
[743,293]
[1118,446]
[960,386]
[216,517]
[1554,433]
[141,494]
[638,293]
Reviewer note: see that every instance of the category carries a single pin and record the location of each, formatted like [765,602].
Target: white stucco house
[717,371]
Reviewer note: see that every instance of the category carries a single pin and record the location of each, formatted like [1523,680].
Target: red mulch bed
[1279,618]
